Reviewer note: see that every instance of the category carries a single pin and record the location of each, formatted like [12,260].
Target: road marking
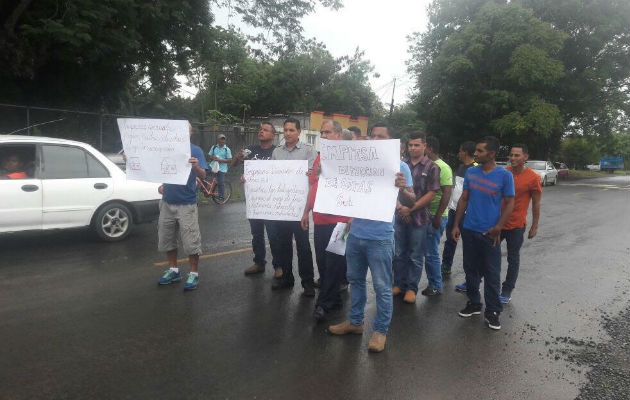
[204,256]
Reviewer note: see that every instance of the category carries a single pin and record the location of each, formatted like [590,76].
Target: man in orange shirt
[527,187]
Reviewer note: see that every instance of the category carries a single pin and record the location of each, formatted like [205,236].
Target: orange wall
[317,117]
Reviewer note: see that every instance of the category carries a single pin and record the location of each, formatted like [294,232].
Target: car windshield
[537,164]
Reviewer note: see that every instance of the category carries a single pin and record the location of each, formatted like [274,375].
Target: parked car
[69,184]
[563,170]
[545,169]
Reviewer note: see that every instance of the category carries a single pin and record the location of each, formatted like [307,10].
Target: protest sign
[276,190]
[357,178]
[337,242]
[157,150]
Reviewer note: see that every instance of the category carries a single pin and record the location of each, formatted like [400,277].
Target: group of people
[483,204]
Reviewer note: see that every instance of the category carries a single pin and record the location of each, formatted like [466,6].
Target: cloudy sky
[378,27]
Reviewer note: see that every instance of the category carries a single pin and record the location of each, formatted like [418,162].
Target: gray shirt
[301,151]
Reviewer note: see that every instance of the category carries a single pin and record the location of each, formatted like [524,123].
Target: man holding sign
[293,149]
[370,244]
[331,267]
[179,217]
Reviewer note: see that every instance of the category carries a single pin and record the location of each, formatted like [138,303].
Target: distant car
[69,184]
[594,167]
[563,171]
[545,169]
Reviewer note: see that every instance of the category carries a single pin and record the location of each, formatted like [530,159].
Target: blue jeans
[432,254]
[514,239]
[410,244]
[482,259]
[450,245]
[221,183]
[377,254]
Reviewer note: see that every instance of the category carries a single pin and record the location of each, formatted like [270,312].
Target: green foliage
[577,152]
[494,75]
[524,70]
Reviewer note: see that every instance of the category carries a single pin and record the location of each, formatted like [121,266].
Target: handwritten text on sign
[357,178]
[276,190]
[157,150]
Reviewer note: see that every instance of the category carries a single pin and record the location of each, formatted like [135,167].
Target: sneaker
[309,291]
[345,328]
[461,287]
[470,310]
[254,269]
[191,282]
[504,299]
[410,297]
[396,291]
[319,314]
[492,319]
[277,273]
[377,342]
[169,277]
[431,292]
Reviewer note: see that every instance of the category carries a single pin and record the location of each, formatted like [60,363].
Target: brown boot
[277,273]
[254,269]
[344,328]
[396,291]
[377,342]
[410,297]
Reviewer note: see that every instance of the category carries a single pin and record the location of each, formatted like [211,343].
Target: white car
[68,184]
[545,169]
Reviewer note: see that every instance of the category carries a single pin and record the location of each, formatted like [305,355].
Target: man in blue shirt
[179,217]
[370,244]
[223,155]
[486,188]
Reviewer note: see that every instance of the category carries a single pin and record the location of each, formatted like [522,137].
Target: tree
[91,53]
[577,152]
[493,73]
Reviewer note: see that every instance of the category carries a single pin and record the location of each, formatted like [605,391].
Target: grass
[580,174]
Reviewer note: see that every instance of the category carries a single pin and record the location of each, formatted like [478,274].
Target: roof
[37,139]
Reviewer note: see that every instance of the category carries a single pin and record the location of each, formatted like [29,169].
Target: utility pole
[391,105]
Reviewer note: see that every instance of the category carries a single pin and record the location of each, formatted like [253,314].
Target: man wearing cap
[223,155]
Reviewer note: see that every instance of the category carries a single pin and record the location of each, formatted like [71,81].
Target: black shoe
[309,291]
[492,319]
[319,314]
[470,310]
[279,284]
[317,284]
[431,292]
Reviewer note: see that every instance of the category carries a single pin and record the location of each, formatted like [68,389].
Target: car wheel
[544,182]
[113,222]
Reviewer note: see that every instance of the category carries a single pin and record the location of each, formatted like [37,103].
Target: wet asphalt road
[83,319]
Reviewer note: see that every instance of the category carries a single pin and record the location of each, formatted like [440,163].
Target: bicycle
[210,188]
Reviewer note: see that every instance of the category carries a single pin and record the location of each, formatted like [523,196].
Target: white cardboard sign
[357,178]
[275,189]
[157,150]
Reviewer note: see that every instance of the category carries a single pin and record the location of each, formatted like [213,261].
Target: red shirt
[319,218]
[16,175]
[525,184]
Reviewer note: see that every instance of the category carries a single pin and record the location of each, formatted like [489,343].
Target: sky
[378,27]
